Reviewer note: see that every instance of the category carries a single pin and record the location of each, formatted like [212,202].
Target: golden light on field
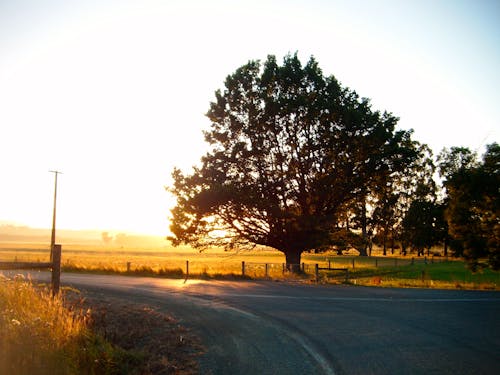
[113,93]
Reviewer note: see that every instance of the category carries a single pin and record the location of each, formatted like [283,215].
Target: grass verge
[41,336]
[442,275]
[69,334]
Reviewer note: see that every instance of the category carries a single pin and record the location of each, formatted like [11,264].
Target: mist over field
[25,234]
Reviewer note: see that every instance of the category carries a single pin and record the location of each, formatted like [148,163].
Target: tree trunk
[293,261]
[363,251]
[384,240]
[393,244]
[364,232]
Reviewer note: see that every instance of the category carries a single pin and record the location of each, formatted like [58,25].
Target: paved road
[282,328]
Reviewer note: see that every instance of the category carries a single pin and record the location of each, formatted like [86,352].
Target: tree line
[298,162]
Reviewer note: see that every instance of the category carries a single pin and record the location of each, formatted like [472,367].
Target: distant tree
[420,224]
[450,162]
[473,204]
[343,239]
[420,211]
[106,238]
[378,212]
[393,195]
[290,148]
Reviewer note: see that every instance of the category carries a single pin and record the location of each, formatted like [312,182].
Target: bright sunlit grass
[38,335]
[37,331]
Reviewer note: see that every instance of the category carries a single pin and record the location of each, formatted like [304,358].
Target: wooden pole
[53,234]
[56,269]
[243,268]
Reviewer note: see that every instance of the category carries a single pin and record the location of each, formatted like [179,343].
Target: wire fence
[334,265]
[390,271]
[430,270]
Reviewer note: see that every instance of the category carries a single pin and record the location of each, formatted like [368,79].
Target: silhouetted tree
[473,204]
[289,149]
[394,193]
[450,162]
[420,224]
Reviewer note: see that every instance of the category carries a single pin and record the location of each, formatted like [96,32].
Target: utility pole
[53,237]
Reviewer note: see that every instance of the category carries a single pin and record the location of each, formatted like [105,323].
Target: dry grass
[39,336]
[163,346]
[69,334]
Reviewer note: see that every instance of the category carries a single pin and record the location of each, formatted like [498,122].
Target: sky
[113,93]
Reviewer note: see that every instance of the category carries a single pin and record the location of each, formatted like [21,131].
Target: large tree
[289,149]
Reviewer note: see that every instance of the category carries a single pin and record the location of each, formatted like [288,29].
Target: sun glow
[113,93]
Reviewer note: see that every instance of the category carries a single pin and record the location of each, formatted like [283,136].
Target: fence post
[353,266]
[56,269]
[303,267]
[284,268]
[329,264]
[316,271]
[243,268]
[267,270]
[128,266]
[187,269]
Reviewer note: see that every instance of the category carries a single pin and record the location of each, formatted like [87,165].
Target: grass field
[436,272]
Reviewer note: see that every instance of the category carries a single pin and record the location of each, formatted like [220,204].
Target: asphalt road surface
[266,327]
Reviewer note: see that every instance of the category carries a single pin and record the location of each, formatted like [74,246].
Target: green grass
[446,274]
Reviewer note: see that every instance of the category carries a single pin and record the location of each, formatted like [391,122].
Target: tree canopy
[290,148]
[473,203]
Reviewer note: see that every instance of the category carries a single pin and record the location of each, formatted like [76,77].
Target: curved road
[266,327]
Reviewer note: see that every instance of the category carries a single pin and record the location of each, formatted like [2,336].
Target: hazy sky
[113,93]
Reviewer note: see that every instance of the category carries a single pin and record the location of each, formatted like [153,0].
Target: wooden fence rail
[55,265]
